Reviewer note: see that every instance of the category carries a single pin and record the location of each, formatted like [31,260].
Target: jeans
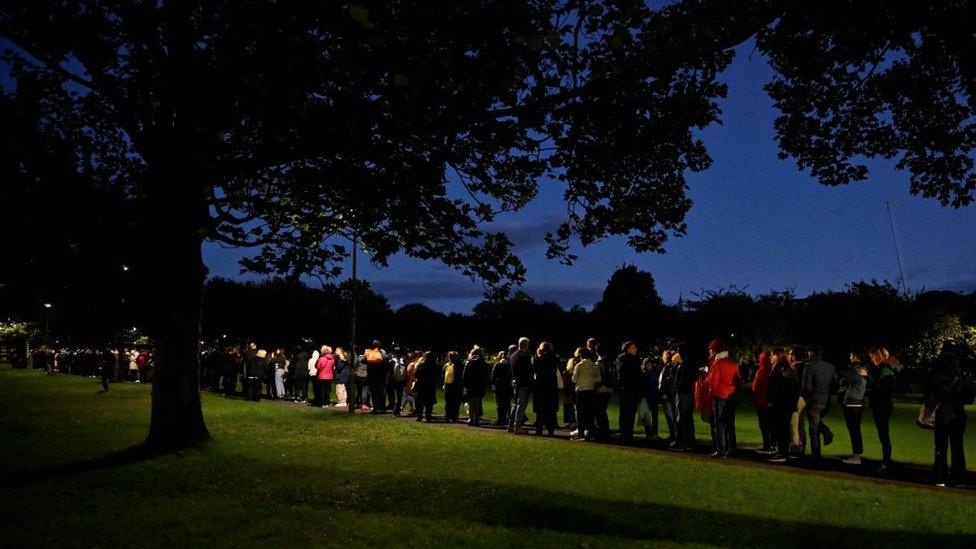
[798,424]
[852,417]
[651,427]
[475,409]
[377,390]
[517,419]
[671,418]
[723,419]
[950,425]
[394,393]
[881,418]
[685,408]
[815,415]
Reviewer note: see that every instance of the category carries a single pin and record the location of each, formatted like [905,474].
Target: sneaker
[715,455]
[765,452]
[940,484]
[853,460]
[777,459]
[574,433]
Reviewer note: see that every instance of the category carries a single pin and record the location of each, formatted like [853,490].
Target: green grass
[291,476]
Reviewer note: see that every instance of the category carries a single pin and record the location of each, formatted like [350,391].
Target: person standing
[279,364]
[501,387]
[651,371]
[397,383]
[425,386]
[760,396]
[361,376]
[881,383]
[604,391]
[545,388]
[948,392]
[340,377]
[818,382]
[782,398]
[586,378]
[253,371]
[666,396]
[106,368]
[475,382]
[313,374]
[326,373]
[853,386]
[377,372]
[631,387]
[685,377]
[298,372]
[452,373]
[796,357]
[723,379]
[410,394]
[521,364]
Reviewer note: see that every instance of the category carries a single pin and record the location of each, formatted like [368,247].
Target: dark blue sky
[757,222]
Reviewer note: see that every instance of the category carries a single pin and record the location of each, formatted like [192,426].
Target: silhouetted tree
[630,307]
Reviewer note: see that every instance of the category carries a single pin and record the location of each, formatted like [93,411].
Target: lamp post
[47,313]
[355,291]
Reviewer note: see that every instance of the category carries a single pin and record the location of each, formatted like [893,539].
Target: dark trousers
[394,394]
[316,392]
[949,428]
[252,388]
[629,401]
[105,379]
[351,395]
[852,417]
[377,392]
[585,407]
[362,391]
[670,417]
[600,416]
[782,417]
[426,410]
[301,388]
[685,407]
[815,417]
[230,384]
[723,421]
[881,418]
[569,404]
[503,404]
[652,409]
[326,392]
[545,416]
[452,402]
[765,427]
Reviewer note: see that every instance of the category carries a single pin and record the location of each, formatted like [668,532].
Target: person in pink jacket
[325,375]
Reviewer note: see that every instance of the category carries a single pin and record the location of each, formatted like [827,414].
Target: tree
[290,127]
[630,307]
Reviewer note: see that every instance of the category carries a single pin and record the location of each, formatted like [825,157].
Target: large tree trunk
[177,273]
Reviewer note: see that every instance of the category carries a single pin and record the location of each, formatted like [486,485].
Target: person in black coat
[783,395]
[522,379]
[475,381]
[501,386]
[545,389]
[298,374]
[253,373]
[425,386]
[631,381]
[453,387]
[947,392]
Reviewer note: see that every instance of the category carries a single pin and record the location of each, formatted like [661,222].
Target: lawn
[279,475]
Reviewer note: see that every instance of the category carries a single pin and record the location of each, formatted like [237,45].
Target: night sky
[757,223]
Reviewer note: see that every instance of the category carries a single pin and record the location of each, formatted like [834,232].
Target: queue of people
[793,389]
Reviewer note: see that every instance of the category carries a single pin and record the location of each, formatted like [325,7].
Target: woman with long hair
[425,386]
[545,389]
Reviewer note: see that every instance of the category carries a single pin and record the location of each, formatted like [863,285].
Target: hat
[718,346]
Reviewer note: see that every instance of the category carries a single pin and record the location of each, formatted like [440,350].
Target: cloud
[526,234]
[438,289]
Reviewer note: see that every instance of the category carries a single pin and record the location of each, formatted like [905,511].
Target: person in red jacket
[760,394]
[723,378]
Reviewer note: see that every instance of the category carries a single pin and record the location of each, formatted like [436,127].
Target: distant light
[47,305]
[134,329]
[125,267]
[224,336]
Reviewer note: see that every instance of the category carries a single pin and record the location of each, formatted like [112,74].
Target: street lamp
[47,314]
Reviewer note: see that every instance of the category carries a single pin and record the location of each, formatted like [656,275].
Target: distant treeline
[837,322]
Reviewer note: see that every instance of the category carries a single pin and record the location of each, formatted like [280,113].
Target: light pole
[355,291]
[47,313]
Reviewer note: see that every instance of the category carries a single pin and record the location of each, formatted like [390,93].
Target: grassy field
[278,475]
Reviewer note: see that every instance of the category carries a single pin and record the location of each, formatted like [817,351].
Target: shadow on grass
[134,454]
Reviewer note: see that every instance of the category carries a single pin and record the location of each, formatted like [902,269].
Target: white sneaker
[853,460]
[574,433]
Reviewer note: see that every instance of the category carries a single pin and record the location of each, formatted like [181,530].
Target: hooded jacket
[723,377]
[760,383]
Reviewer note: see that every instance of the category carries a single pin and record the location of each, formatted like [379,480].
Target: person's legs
[398,388]
[521,406]
[719,439]
[852,417]
[685,420]
[881,424]
[957,446]
[815,415]
[782,420]
[327,392]
[652,405]
[351,392]
[765,427]
[104,383]
[602,419]
[503,404]
[731,441]
[670,417]
[941,432]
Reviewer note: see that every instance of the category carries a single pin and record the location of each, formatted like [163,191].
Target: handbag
[926,417]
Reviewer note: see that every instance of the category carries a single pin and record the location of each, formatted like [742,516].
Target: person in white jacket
[312,373]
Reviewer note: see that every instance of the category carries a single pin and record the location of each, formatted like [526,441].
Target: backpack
[373,356]
[399,370]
